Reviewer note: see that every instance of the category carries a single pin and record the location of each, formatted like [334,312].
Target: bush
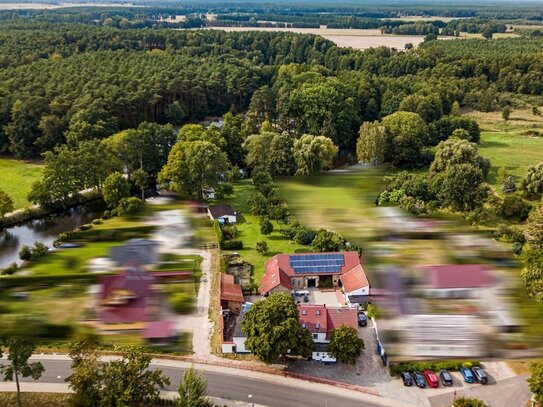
[83,228]
[305,236]
[218,232]
[182,303]
[106,215]
[510,234]
[517,248]
[128,206]
[514,207]
[39,250]
[266,227]
[232,245]
[9,270]
[97,221]
[435,366]
[57,331]
[262,247]
[25,253]
[230,232]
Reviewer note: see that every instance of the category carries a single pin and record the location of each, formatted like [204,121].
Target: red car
[431,378]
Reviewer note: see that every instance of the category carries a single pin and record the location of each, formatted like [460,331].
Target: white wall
[361,291]
[240,345]
[320,338]
[227,347]
[230,218]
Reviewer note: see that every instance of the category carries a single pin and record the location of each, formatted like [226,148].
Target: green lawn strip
[37,399]
[249,233]
[342,202]
[511,150]
[70,261]
[16,178]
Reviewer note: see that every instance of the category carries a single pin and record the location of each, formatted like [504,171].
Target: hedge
[218,232]
[17,280]
[232,245]
[435,365]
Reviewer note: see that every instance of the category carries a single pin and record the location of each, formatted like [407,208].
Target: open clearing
[16,178]
[355,38]
[343,201]
[511,144]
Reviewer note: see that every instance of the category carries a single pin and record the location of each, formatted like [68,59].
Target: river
[44,230]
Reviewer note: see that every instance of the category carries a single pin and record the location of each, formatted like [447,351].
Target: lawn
[511,144]
[340,201]
[16,178]
[249,232]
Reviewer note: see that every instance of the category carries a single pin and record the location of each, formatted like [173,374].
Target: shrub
[218,232]
[436,366]
[230,232]
[514,207]
[39,250]
[232,245]
[517,248]
[509,234]
[182,303]
[128,206]
[266,227]
[469,402]
[85,227]
[305,236]
[97,221]
[106,215]
[370,310]
[262,247]
[25,253]
[9,270]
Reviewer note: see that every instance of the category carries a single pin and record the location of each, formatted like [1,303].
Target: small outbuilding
[225,214]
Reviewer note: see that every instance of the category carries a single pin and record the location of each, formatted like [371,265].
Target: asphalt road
[226,386]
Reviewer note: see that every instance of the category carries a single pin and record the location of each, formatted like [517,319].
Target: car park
[431,379]
[418,377]
[362,319]
[445,378]
[480,375]
[467,374]
[407,379]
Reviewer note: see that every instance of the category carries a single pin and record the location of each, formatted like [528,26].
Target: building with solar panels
[288,272]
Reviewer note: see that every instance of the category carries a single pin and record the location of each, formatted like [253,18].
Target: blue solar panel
[317,263]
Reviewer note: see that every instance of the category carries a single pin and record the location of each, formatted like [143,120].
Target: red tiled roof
[458,276]
[354,279]
[311,315]
[278,269]
[342,316]
[229,290]
[159,330]
[274,277]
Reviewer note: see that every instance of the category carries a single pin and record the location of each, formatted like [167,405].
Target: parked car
[480,375]
[407,379]
[467,374]
[445,377]
[431,378]
[362,319]
[418,377]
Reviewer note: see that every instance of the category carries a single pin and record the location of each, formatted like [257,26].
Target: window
[304,312]
[317,325]
[318,312]
[315,336]
[303,325]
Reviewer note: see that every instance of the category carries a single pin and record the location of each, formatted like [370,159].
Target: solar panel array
[317,263]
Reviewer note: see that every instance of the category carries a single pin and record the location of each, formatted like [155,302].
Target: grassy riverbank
[17,177]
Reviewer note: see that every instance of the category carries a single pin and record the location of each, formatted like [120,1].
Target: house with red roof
[321,321]
[456,280]
[287,272]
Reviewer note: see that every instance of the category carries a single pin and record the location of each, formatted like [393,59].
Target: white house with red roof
[287,272]
[320,321]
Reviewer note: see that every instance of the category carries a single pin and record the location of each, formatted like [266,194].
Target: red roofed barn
[456,280]
[286,272]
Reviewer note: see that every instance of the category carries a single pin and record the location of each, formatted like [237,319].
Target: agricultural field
[16,178]
[513,144]
[342,201]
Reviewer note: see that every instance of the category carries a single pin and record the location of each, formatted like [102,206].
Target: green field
[510,150]
[16,178]
[340,201]
[249,232]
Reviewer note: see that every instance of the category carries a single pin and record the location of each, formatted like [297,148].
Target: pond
[44,230]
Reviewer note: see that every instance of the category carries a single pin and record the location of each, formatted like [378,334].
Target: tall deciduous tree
[19,352]
[457,151]
[532,273]
[532,183]
[231,131]
[534,228]
[345,345]
[462,187]
[314,154]
[193,390]
[272,328]
[535,381]
[141,180]
[86,378]
[115,188]
[372,143]
[195,166]
[406,132]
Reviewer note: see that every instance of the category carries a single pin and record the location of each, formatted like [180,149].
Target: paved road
[226,386]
